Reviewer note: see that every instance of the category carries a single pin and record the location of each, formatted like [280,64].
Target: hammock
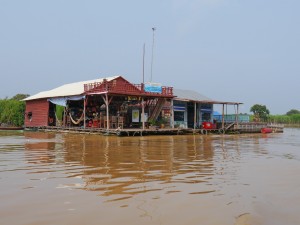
[58,122]
[78,121]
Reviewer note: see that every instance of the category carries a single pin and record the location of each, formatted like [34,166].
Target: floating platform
[117,132]
[232,129]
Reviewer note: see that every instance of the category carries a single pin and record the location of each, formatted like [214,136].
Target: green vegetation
[286,119]
[261,113]
[19,97]
[293,112]
[152,122]
[12,111]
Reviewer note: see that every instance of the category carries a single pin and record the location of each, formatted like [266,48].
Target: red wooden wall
[40,111]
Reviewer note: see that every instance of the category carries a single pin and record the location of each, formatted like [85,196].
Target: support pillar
[143,114]
[223,117]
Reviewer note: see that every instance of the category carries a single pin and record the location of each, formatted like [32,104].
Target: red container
[266,130]
[207,125]
[95,123]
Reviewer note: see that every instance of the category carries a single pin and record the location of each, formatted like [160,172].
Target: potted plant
[162,122]
[152,123]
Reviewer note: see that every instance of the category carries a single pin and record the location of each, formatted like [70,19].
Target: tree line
[262,113]
[12,110]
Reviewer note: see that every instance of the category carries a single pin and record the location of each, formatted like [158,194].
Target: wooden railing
[92,86]
[124,88]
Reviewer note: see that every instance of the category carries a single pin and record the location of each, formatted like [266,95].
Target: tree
[293,112]
[12,112]
[261,113]
[20,96]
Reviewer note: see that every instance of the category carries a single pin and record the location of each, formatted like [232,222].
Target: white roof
[67,89]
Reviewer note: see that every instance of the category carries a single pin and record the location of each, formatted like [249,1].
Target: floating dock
[233,129]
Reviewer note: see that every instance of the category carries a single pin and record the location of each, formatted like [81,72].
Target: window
[178,116]
[29,116]
[206,116]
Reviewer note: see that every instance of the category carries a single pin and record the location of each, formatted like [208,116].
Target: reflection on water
[193,179]
[130,166]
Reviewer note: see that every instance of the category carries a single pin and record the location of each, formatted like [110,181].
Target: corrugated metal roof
[71,89]
[189,95]
[77,88]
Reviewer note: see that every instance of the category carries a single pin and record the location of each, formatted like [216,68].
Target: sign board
[145,117]
[153,87]
[135,116]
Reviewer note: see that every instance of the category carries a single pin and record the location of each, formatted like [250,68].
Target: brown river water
[60,178]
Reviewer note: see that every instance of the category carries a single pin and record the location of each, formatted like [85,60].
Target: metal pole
[144,64]
[153,29]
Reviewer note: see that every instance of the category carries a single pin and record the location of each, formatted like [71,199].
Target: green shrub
[12,112]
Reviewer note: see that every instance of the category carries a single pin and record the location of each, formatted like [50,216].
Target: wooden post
[143,114]
[237,116]
[223,119]
[84,104]
[195,116]
[64,119]
[107,110]
[172,113]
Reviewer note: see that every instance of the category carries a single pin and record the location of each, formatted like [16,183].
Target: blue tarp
[217,113]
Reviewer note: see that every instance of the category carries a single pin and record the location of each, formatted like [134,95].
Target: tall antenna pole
[144,64]
[153,29]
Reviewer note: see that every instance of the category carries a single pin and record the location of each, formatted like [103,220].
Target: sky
[228,50]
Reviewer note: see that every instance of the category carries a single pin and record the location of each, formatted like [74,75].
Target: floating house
[115,103]
[97,103]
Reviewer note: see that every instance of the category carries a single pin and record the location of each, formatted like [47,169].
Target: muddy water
[54,178]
